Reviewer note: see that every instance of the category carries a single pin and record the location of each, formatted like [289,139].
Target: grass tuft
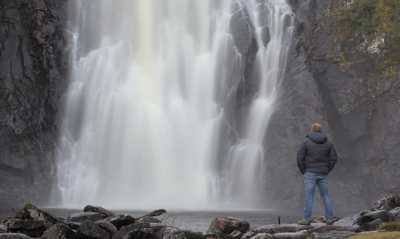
[390,226]
[377,235]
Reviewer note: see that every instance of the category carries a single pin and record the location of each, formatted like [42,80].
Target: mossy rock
[377,235]
[390,226]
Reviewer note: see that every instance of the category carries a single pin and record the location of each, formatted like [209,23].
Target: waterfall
[273,22]
[143,113]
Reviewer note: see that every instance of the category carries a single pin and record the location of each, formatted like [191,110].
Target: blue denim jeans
[311,180]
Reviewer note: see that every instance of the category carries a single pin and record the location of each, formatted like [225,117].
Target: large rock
[369,216]
[31,212]
[140,233]
[328,228]
[249,234]
[59,231]
[236,234]
[277,228]
[292,235]
[333,235]
[262,236]
[388,203]
[97,209]
[174,233]
[349,222]
[121,220]
[3,228]
[25,226]
[156,213]
[108,226]
[145,230]
[84,216]
[72,225]
[13,236]
[93,230]
[226,225]
[148,220]
[395,213]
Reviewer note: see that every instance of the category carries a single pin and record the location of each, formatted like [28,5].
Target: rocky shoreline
[99,223]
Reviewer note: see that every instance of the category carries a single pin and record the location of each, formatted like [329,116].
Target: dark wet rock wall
[33,66]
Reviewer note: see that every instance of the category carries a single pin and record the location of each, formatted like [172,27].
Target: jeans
[311,180]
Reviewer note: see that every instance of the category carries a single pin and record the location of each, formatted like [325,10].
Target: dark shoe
[304,222]
[332,220]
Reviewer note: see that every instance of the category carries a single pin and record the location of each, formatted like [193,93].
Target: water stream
[273,22]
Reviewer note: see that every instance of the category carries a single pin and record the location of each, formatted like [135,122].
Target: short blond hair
[316,127]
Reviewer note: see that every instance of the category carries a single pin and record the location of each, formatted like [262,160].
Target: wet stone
[278,228]
[84,216]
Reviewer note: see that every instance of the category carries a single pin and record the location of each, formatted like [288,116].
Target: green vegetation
[377,235]
[371,24]
[390,226]
[28,206]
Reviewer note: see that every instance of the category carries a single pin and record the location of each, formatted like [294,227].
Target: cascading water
[273,22]
[144,97]
[143,115]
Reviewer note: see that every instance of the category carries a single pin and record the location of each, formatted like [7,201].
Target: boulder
[31,212]
[388,203]
[86,216]
[148,220]
[90,208]
[349,222]
[13,236]
[292,235]
[124,230]
[278,228]
[92,230]
[369,216]
[3,228]
[236,234]
[147,230]
[59,231]
[226,225]
[140,234]
[395,214]
[329,228]
[316,226]
[211,236]
[72,225]
[25,226]
[174,233]
[372,226]
[108,226]
[333,235]
[156,213]
[249,234]
[262,236]
[121,220]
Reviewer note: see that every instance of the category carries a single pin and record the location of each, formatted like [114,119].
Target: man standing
[316,159]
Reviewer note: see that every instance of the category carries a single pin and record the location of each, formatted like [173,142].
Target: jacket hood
[317,137]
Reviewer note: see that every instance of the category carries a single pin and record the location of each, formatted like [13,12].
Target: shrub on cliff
[375,27]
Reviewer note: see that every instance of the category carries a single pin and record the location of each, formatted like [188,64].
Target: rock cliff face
[358,107]
[33,66]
